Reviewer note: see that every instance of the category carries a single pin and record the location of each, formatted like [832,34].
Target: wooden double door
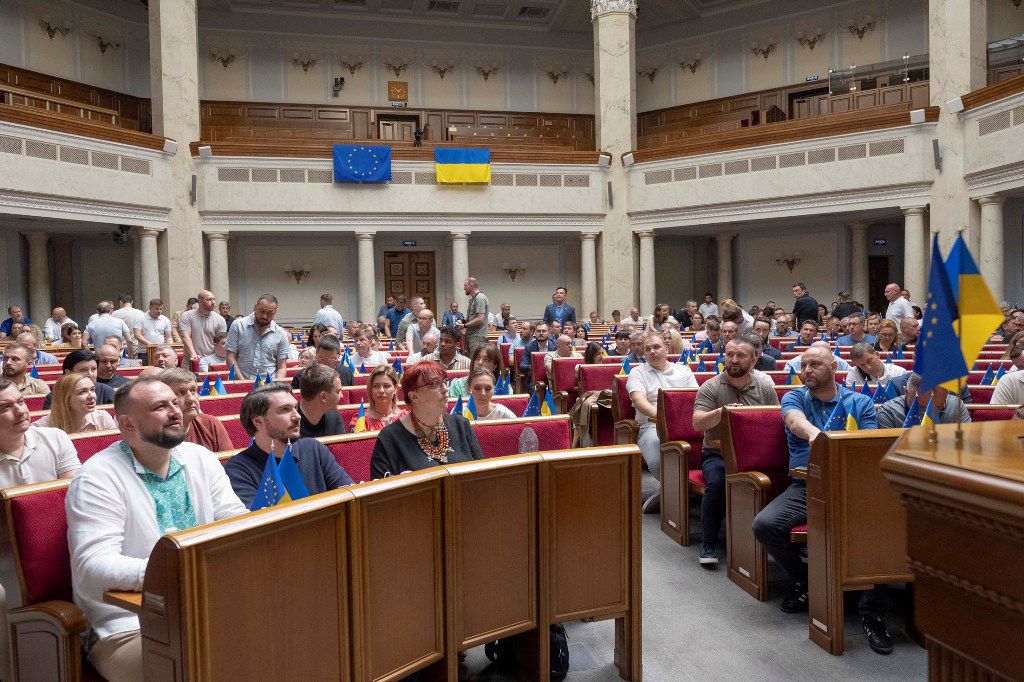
[411,273]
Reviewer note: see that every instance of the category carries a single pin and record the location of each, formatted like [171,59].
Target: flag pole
[958,437]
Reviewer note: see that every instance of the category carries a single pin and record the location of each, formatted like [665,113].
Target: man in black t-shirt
[319,393]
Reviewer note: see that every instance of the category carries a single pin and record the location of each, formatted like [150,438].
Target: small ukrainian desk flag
[458,165]
[362,163]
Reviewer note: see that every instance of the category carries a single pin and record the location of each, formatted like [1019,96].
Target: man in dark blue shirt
[541,342]
[806,410]
[269,415]
[396,314]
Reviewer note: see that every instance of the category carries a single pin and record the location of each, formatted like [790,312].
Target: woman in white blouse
[481,387]
[73,409]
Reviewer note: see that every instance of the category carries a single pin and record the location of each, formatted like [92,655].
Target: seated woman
[381,400]
[593,354]
[696,323]
[315,332]
[481,387]
[677,345]
[580,338]
[427,435]
[70,336]
[486,356]
[73,406]
[888,336]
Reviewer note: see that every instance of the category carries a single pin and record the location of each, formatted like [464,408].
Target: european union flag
[34,373]
[397,366]
[457,408]
[701,367]
[204,389]
[271,490]
[532,407]
[231,372]
[840,419]
[913,417]
[987,379]
[362,163]
[866,390]
[885,394]
[938,357]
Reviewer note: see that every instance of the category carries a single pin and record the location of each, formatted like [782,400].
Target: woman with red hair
[427,435]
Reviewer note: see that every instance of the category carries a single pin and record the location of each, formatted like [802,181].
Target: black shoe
[708,558]
[878,637]
[796,600]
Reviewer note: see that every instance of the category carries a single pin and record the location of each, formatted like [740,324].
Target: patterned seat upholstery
[88,444]
[501,438]
[221,405]
[233,425]
[681,447]
[991,413]
[540,372]
[980,394]
[599,378]
[353,452]
[563,380]
[35,403]
[40,529]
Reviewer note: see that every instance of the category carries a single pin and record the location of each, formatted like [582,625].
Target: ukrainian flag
[360,419]
[841,419]
[720,363]
[930,418]
[295,488]
[218,387]
[625,367]
[793,379]
[470,411]
[979,314]
[548,406]
[455,165]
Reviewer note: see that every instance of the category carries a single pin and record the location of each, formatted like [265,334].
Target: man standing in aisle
[327,315]
[899,307]
[477,316]
[199,326]
[805,307]
[558,309]
[256,345]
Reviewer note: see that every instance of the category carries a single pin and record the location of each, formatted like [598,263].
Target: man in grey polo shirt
[199,326]
[256,344]
[739,384]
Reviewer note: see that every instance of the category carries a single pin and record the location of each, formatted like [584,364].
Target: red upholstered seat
[759,444]
[625,409]
[564,378]
[990,413]
[500,438]
[221,405]
[802,528]
[677,421]
[703,376]
[41,531]
[353,452]
[696,477]
[783,390]
[35,402]
[88,444]
[235,387]
[233,425]
[981,395]
[540,372]
[515,402]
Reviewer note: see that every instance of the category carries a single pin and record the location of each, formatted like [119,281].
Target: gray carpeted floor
[700,626]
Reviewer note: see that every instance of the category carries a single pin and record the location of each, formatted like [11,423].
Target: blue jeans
[712,505]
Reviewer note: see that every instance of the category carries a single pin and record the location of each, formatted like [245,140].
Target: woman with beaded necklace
[427,435]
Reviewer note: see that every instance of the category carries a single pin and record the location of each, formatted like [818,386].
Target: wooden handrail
[424,153]
[74,125]
[788,131]
[44,97]
[993,93]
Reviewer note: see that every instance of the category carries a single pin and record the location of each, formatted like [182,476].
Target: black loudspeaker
[937,154]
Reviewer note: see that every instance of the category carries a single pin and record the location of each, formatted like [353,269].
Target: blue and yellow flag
[256,382]
[720,363]
[793,379]
[218,387]
[548,406]
[532,407]
[360,419]
[999,374]
[271,490]
[362,163]
[457,408]
[938,357]
[930,417]
[913,417]
[989,377]
[470,411]
[347,361]
[841,419]
[231,372]
[979,314]
[294,487]
[897,353]
[625,367]
[458,165]
[397,366]
[701,367]
[204,388]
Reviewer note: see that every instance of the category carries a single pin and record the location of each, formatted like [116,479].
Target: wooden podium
[965,543]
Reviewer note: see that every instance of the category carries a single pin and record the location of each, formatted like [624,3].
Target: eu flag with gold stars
[362,163]
[937,356]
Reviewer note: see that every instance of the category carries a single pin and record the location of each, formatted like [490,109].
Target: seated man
[621,347]
[165,357]
[123,359]
[855,332]
[40,357]
[564,348]
[268,414]
[794,364]
[511,334]
[784,326]
[107,357]
[430,341]
[446,354]
[219,356]
[18,360]
[805,411]
[892,413]
[1010,389]
[808,333]
[201,429]
[319,394]
[122,501]
[54,324]
[910,329]
[328,354]
[764,362]
[763,328]
[868,367]
[737,385]
[10,326]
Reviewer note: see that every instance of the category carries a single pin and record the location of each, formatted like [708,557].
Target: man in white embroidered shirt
[123,500]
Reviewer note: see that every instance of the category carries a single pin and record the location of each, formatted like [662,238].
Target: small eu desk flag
[938,357]
[841,419]
[271,490]
[362,163]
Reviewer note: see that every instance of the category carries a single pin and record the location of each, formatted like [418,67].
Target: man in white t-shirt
[899,307]
[643,384]
[129,314]
[868,367]
[153,327]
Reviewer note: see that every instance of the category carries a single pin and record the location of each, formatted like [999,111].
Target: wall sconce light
[352,66]
[790,262]
[693,63]
[296,272]
[223,56]
[590,76]
[649,72]
[397,65]
[765,49]
[104,45]
[513,271]
[486,66]
[305,63]
[442,66]
[810,39]
[860,27]
[54,28]
[555,72]
[354,58]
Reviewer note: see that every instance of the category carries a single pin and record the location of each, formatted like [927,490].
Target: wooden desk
[799,472]
[130,601]
[965,542]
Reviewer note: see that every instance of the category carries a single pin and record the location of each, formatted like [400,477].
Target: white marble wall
[1013,226]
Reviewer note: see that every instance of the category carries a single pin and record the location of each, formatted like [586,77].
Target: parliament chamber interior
[511,339]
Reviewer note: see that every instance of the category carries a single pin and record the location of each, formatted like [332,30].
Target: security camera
[120,235]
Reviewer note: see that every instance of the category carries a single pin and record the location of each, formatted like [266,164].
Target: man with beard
[737,385]
[806,411]
[269,415]
[201,429]
[122,501]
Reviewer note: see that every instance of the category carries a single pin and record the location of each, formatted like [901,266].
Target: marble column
[916,251]
[38,276]
[859,262]
[149,265]
[174,79]
[648,291]
[957,61]
[588,276]
[137,270]
[220,278]
[991,256]
[615,127]
[724,289]
[367,277]
[460,269]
